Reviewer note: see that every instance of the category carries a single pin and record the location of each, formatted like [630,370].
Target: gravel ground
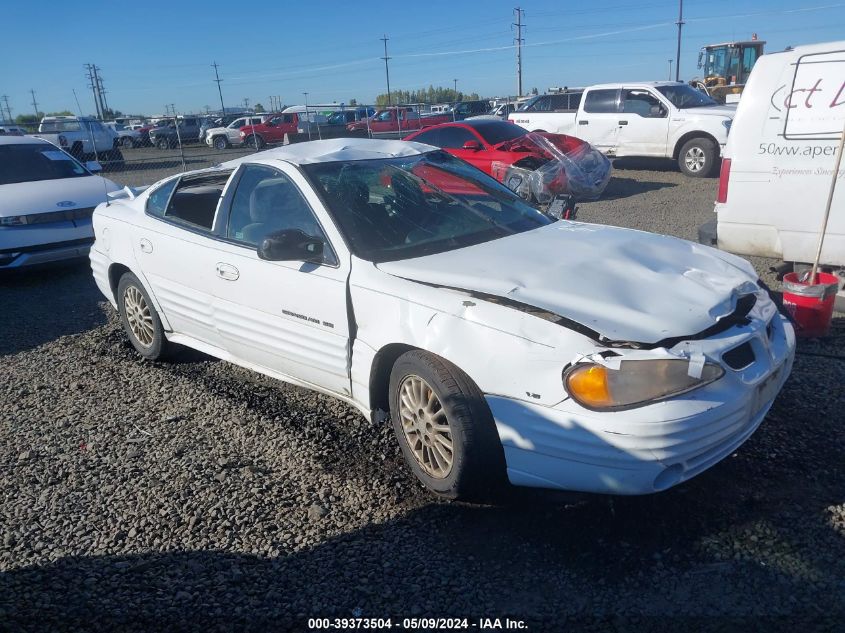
[196,495]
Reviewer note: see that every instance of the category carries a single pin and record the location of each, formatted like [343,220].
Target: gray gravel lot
[195,495]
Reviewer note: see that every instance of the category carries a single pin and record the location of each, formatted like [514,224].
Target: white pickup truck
[663,119]
[83,138]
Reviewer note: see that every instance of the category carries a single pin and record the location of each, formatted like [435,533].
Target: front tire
[254,141]
[127,142]
[220,142]
[163,143]
[698,158]
[445,428]
[139,318]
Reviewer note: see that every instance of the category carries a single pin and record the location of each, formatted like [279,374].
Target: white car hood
[42,196]
[625,285]
[719,110]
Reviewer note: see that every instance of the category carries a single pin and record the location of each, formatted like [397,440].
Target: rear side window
[194,202]
[566,101]
[600,101]
[157,200]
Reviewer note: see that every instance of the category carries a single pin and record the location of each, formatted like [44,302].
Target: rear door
[598,119]
[288,317]
[643,124]
[176,248]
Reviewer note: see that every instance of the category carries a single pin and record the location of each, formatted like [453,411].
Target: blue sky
[154,53]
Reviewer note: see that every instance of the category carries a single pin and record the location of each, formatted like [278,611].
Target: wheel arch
[688,136]
[116,271]
[380,370]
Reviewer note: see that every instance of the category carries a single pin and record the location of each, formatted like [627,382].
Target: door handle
[583,122]
[623,123]
[227,271]
[145,245]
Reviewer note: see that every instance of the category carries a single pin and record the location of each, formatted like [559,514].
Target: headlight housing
[636,383]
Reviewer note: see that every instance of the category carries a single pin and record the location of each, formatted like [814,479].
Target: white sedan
[500,343]
[46,202]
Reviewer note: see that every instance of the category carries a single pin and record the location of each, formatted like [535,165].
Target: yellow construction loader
[726,68]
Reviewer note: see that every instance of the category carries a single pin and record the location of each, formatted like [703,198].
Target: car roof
[636,84]
[23,140]
[334,150]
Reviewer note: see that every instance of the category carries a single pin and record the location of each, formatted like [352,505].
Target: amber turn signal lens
[589,386]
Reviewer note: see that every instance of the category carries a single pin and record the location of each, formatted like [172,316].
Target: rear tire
[254,141]
[445,428]
[139,318]
[127,142]
[698,158]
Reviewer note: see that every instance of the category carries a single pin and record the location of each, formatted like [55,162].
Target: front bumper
[651,448]
[25,246]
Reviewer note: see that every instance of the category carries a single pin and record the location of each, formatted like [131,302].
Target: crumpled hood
[626,285]
[42,196]
[720,110]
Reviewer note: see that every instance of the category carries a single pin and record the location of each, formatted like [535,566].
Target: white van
[779,160]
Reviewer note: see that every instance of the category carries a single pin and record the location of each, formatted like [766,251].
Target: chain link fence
[137,152]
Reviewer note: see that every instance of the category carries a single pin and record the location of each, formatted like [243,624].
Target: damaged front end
[555,165]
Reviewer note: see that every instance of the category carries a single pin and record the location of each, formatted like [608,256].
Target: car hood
[718,110]
[46,195]
[625,285]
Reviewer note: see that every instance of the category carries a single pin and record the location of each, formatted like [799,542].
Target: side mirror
[473,146]
[290,245]
[93,165]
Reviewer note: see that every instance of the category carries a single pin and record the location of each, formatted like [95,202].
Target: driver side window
[266,201]
[643,103]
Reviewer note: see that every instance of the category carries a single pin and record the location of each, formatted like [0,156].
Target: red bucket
[810,305]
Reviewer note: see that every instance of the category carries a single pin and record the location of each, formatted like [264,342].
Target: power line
[219,90]
[386,69]
[519,42]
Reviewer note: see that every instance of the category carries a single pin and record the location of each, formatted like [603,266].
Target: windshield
[398,208]
[36,161]
[495,132]
[685,96]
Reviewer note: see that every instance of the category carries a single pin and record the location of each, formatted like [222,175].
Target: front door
[643,124]
[289,317]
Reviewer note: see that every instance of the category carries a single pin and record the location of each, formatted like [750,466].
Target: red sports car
[537,165]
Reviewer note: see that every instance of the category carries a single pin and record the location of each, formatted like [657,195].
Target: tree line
[430,95]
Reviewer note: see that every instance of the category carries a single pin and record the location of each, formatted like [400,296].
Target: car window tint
[431,137]
[266,201]
[600,101]
[157,200]
[195,200]
[641,102]
[455,137]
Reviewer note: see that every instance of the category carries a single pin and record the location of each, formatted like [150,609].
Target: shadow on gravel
[619,188]
[646,164]
[40,305]
[556,569]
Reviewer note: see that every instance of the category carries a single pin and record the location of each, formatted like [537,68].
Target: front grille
[57,216]
[739,357]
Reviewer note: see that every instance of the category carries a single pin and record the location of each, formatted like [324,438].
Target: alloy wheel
[695,159]
[138,315]
[426,427]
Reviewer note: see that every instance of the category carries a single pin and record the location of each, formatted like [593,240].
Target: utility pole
[680,24]
[519,42]
[456,88]
[219,90]
[93,86]
[103,97]
[386,69]
[34,104]
[246,103]
[99,92]
[8,109]
[670,70]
